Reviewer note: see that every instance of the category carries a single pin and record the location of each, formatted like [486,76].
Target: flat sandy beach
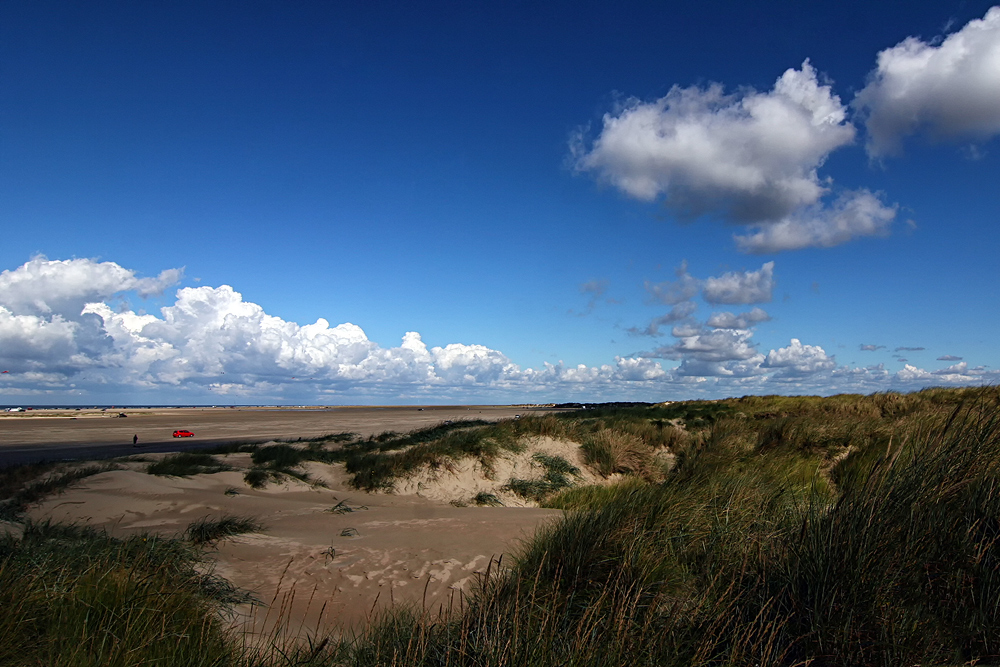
[92,433]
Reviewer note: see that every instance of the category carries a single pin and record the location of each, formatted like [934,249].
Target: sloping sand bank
[312,568]
[465,479]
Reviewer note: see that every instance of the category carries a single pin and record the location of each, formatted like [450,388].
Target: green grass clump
[229,448]
[558,474]
[75,596]
[529,489]
[345,436]
[275,462]
[485,499]
[557,469]
[209,531]
[611,451]
[278,456]
[257,478]
[592,496]
[185,464]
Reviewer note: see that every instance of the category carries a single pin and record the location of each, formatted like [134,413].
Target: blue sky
[563,201]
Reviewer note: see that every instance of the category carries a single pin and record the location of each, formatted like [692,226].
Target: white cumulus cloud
[713,345]
[42,302]
[44,286]
[948,90]
[31,341]
[726,320]
[799,359]
[740,287]
[212,331]
[852,214]
[749,157]
[63,328]
[960,368]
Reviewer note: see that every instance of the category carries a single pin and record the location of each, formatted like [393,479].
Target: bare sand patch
[462,481]
[313,569]
[330,556]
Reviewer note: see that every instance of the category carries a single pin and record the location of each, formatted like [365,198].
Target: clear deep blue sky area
[373,202]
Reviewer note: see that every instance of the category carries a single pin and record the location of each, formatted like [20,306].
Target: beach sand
[314,571]
[91,433]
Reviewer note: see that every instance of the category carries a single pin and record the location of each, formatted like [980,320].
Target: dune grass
[185,464]
[343,507]
[858,531]
[792,531]
[73,596]
[592,495]
[209,530]
[559,474]
[611,451]
[486,499]
[375,464]
[14,478]
[273,463]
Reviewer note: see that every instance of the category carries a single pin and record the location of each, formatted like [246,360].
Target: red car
[183,434]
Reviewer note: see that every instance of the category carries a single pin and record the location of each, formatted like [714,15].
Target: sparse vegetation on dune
[22,486]
[484,499]
[378,462]
[843,531]
[275,462]
[558,475]
[14,478]
[792,531]
[209,531]
[184,464]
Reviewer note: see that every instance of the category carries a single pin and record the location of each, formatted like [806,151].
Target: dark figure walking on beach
[135,440]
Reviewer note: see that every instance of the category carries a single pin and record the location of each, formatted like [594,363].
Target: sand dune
[311,568]
[463,480]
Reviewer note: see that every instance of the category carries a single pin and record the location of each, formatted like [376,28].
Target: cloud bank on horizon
[66,331]
[753,158]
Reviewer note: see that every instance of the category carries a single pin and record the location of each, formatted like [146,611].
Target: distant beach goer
[135,440]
